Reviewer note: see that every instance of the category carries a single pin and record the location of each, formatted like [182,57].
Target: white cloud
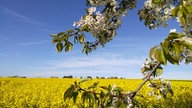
[21,18]
[95,61]
[34,43]
[97,65]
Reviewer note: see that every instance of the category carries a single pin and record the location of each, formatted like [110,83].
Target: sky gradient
[26,48]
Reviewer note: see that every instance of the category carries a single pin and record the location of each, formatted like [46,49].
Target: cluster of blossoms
[102,24]
[102,2]
[128,101]
[163,86]
[161,13]
[94,22]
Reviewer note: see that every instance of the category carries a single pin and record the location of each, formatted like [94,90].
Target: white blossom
[151,93]
[178,19]
[172,30]
[162,80]
[91,10]
[148,3]
[130,106]
[162,88]
[129,101]
[159,97]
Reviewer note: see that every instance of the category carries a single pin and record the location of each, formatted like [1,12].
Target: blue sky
[26,48]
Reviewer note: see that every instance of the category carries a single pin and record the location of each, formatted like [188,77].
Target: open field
[48,93]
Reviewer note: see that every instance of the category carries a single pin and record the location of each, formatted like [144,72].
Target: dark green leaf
[75,94]
[120,104]
[84,96]
[86,28]
[172,35]
[94,85]
[66,48]
[69,31]
[102,94]
[59,47]
[104,87]
[76,39]
[61,33]
[171,59]
[69,92]
[165,46]
[170,91]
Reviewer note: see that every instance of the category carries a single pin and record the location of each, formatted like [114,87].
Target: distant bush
[70,76]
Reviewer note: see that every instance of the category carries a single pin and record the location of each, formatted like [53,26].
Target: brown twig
[146,79]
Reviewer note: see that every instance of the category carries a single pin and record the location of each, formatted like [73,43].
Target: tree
[103,26]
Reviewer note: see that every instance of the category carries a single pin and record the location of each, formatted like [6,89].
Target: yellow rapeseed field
[48,93]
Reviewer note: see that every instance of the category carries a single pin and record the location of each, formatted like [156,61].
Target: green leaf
[69,92]
[102,94]
[86,28]
[76,39]
[119,89]
[165,46]
[159,71]
[172,36]
[75,94]
[159,55]
[171,59]
[94,85]
[69,31]
[174,11]
[170,91]
[61,33]
[152,52]
[91,97]
[81,38]
[176,49]
[84,96]
[144,69]
[109,87]
[157,1]
[104,87]
[66,48]
[187,45]
[120,104]
[59,47]
[53,35]
[84,80]
[55,40]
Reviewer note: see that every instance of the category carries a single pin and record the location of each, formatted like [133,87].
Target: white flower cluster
[102,2]
[146,64]
[98,23]
[162,13]
[95,24]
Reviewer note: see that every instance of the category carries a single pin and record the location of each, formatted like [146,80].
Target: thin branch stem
[146,79]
